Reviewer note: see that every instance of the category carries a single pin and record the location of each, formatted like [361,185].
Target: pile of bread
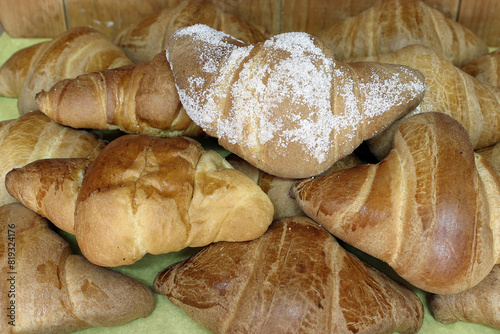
[275,208]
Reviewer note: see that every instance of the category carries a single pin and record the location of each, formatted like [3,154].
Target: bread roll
[430,209]
[480,304]
[75,51]
[48,289]
[144,194]
[139,99]
[485,68]
[141,41]
[296,278]
[390,25]
[476,105]
[34,136]
[285,105]
[14,71]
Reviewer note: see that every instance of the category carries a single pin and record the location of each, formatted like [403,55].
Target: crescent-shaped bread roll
[430,209]
[47,289]
[34,136]
[144,194]
[475,104]
[74,52]
[296,278]
[141,41]
[15,69]
[139,99]
[390,25]
[286,105]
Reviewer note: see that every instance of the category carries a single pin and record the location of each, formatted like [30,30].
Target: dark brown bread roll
[296,278]
[429,210]
[53,290]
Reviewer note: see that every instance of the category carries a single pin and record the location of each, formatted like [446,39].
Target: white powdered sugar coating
[202,109]
[299,81]
[216,44]
[382,94]
[224,126]
[290,74]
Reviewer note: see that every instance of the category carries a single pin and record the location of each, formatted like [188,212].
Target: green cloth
[167,318]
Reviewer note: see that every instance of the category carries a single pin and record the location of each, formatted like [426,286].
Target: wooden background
[48,18]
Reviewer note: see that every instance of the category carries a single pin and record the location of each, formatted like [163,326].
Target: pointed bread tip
[49,187]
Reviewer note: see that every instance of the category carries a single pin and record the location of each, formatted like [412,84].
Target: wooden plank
[483,18]
[27,18]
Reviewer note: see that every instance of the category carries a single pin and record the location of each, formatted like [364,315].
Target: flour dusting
[283,90]
[384,93]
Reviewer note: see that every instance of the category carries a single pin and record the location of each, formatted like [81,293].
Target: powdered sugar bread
[286,105]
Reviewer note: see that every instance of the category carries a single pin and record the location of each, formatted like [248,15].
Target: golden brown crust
[146,38]
[135,99]
[144,181]
[75,51]
[14,71]
[167,194]
[35,136]
[429,209]
[145,194]
[295,279]
[390,25]
[57,291]
[48,177]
